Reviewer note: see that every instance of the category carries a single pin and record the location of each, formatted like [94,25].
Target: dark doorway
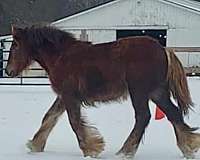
[160,35]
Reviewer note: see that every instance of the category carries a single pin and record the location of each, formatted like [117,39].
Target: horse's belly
[110,92]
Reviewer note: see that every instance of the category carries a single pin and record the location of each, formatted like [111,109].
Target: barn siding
[183,37]
[100,36]
[135,13]
[94,35]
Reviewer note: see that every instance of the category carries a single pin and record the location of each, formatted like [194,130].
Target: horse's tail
[177,81]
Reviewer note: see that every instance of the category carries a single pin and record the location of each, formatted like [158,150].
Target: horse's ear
[15,30]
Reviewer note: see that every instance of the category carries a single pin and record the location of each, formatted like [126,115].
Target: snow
[22,109]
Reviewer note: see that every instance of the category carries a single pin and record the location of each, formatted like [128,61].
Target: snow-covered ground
[22,108]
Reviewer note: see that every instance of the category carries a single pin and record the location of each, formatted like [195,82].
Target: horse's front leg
[50,119]
[89,139]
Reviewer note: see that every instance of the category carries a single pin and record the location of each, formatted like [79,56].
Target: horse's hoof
[93,151]
[33,148]
[91,154]
[189,144]
[92,146]
[189,156]
[124,156]
[127,153]
[187,153]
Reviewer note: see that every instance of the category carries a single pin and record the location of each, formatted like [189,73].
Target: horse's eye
[14,43]
[14,46]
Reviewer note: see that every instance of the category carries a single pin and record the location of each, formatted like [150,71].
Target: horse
[82,73]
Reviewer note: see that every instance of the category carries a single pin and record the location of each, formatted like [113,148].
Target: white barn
[177,21]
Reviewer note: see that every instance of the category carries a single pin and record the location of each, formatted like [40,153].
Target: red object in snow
[159,114]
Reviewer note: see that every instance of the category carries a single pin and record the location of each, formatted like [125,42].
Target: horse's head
[19,57]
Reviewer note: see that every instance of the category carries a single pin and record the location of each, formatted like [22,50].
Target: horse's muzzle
[10,73]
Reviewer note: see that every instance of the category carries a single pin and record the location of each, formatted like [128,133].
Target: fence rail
[186,49]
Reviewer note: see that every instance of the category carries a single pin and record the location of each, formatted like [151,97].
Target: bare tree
[26,12]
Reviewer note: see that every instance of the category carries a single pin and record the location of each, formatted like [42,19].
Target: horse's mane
[47,36]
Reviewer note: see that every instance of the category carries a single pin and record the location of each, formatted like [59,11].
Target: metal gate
[34,75]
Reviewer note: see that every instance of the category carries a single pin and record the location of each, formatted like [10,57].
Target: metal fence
[34,75]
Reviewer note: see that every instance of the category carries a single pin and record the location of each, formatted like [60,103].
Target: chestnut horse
[82,73]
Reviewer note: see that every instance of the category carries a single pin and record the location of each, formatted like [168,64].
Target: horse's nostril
[6,71]
[12,74]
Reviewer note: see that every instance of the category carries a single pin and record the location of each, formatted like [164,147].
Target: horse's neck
[47,61]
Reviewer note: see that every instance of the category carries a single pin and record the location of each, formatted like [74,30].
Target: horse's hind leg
[50,119]
[142,115]
[90,140]
[187,140]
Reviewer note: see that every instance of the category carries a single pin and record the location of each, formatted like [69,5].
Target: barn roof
[187,4]
[191,5]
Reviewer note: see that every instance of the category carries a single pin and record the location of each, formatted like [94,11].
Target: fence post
[1,59]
